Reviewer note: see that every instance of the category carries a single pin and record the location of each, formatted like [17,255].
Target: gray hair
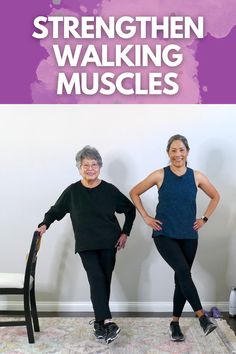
[88,152]
[177,137]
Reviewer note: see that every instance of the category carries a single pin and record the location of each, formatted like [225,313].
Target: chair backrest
[32,258]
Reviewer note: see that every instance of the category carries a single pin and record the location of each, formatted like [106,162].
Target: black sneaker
[206,325]
[99,329]
[176,334]
[112,331]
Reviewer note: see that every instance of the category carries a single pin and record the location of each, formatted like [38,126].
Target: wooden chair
[24,284]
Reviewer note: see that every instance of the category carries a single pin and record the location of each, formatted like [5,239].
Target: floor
[230,321]
[139,335]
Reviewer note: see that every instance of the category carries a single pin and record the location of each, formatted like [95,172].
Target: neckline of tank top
[176,173]
[91,188]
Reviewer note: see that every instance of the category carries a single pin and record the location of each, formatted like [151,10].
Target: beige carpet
[137,336]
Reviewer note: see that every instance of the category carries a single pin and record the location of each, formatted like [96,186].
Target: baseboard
[115,306]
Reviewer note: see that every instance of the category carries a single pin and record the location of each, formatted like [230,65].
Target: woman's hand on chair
[42,229]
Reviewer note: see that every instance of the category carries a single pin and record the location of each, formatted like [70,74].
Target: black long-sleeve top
[92,212]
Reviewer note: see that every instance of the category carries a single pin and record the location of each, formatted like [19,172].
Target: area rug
[66,335]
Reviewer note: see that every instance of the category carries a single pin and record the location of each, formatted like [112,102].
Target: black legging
[99,265]
[179,254]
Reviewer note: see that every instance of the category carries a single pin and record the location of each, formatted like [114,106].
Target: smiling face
[89,170]
[178,154]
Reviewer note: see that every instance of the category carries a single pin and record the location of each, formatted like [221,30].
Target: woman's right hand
[42,229]
[153,223]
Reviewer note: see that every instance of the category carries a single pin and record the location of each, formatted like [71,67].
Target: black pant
[179,254]
[99,265]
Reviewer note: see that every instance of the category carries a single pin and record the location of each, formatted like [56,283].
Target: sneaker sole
[99,337]
[176,340]
[210,329]
[109,340]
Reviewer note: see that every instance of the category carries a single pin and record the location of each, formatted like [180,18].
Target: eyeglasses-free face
[178,153]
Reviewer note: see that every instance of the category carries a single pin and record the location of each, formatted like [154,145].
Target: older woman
[175,227]
[92,204]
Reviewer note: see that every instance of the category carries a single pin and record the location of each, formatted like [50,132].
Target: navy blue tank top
[176,208]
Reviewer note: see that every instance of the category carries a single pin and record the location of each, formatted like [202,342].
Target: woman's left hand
[121,242]
[198,224]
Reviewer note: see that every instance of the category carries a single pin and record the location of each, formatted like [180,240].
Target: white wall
[37,149]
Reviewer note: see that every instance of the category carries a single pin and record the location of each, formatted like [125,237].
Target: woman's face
[89,170]
[178,153]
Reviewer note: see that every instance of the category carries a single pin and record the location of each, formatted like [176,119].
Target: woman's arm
[56,212]
[207,187]
[153,179]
